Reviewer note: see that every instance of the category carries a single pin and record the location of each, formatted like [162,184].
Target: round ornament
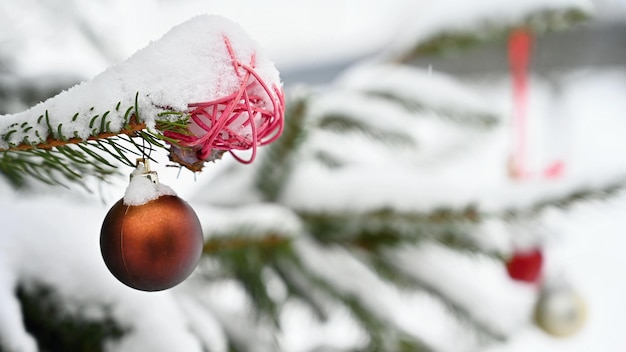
[151,239]
[525,265]
[560,312]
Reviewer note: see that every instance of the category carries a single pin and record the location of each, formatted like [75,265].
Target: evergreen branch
[60,330]
[139,150]
[48,166]
[448,226]
[276,165]
[247,267]
[298,287]
[328,159]
[245,259]
[383,336]
[386,227]
[343,123]
[588,194]
[456,41]
[57,157]
[95,156]
[484,120]
[52,142]
[71,159]
[402,277]
[179,126]
[220,243]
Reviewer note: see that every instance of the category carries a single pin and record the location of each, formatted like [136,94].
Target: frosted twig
[50,143]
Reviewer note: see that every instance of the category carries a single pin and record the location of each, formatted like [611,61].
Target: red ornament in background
[152,246]
[520,47]
[519,50]
[525,265]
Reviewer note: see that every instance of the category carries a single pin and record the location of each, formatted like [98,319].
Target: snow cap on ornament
[151,239]
[144,186]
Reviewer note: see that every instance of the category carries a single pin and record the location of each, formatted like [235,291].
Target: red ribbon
[520,46]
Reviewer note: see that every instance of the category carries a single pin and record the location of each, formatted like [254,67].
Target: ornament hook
[143,170]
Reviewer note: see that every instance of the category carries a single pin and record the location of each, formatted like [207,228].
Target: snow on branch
[254,222]
[422,92]
[454,25]
[204,88]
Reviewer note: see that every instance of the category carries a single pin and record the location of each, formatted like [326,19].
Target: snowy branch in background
[248,226]
[383,216]
[425,93]
[452,26]
[204,88]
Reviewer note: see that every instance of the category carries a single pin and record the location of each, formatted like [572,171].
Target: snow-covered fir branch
[148,100]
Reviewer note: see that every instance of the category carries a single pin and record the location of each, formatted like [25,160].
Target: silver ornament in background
[560,311]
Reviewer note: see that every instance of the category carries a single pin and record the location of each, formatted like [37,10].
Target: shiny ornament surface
[525,265]
[153,246]
[560,312]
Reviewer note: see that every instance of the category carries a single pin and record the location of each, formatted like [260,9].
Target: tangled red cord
[251,116]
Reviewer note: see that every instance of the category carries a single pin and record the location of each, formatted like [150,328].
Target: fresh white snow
[451,17]
[54,239]
[190,64]
[144,187]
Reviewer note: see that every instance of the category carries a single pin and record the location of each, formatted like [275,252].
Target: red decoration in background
[555,170]
[520,46]
[525,265]
[251,116]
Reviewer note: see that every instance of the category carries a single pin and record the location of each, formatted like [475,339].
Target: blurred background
[330,54]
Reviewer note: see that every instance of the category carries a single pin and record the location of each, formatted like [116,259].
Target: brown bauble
[153,246]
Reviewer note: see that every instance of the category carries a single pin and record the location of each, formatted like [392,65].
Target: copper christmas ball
[153,246]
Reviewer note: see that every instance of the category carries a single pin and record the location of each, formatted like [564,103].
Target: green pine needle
[58,160]
[344,123]
[452,42]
